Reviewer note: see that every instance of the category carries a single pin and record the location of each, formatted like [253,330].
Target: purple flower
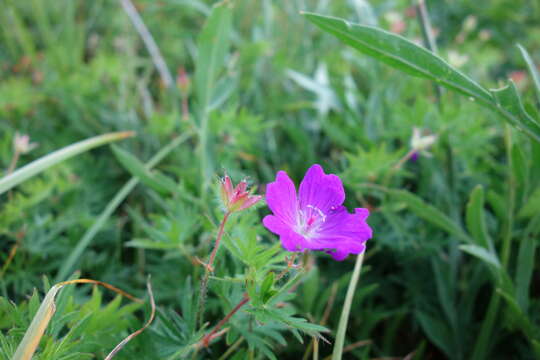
[316,218]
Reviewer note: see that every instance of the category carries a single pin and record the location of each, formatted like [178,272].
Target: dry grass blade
[32,337]
[12,253]
[149,42]
[131,336]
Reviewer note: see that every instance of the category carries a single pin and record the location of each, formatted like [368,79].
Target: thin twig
[101,283]
[131,336]
[149,42]
[11,255]
[206,340]
[329,304]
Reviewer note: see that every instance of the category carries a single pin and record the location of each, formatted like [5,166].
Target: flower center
[309,220]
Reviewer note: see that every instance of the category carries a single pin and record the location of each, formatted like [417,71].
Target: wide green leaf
[404,55]
[213,44]
[401,54]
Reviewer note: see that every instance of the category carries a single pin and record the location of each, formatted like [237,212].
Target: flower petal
[343,233]
[290,240]
[320,190]
[281,198]
[275,224]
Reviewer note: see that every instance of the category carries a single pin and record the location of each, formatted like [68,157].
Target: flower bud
[182,81]
[238,198]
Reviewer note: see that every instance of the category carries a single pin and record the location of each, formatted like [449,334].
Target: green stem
[482,344]
[344,319]
[206,340]
[231,349]
[507,234]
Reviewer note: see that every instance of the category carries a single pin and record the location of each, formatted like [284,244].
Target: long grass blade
[37,166]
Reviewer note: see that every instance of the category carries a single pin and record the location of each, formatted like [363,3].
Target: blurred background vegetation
[287,96]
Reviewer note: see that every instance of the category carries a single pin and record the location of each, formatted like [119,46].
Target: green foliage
[456,234]
[82,331]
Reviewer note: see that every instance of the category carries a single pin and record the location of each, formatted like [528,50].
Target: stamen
[308,222]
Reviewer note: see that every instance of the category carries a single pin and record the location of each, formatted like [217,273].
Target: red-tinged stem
[209,269]
[218,240]
[185,108]
[405,158]
[206,340]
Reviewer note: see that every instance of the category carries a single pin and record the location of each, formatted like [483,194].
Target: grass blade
[213,45]
[476,223]
[37,166]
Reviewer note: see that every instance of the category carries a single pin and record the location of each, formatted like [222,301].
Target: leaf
[532,206]
[476,223]
[437,331]
[213,44]
[524,271]
[161,183]
[33,334]
[401,54]
[430,213]
[532,70]
[520,166]
[483,254]
[48,307]
[266,286]
[517,315]
[415,60]
[37,166]
[511,107]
